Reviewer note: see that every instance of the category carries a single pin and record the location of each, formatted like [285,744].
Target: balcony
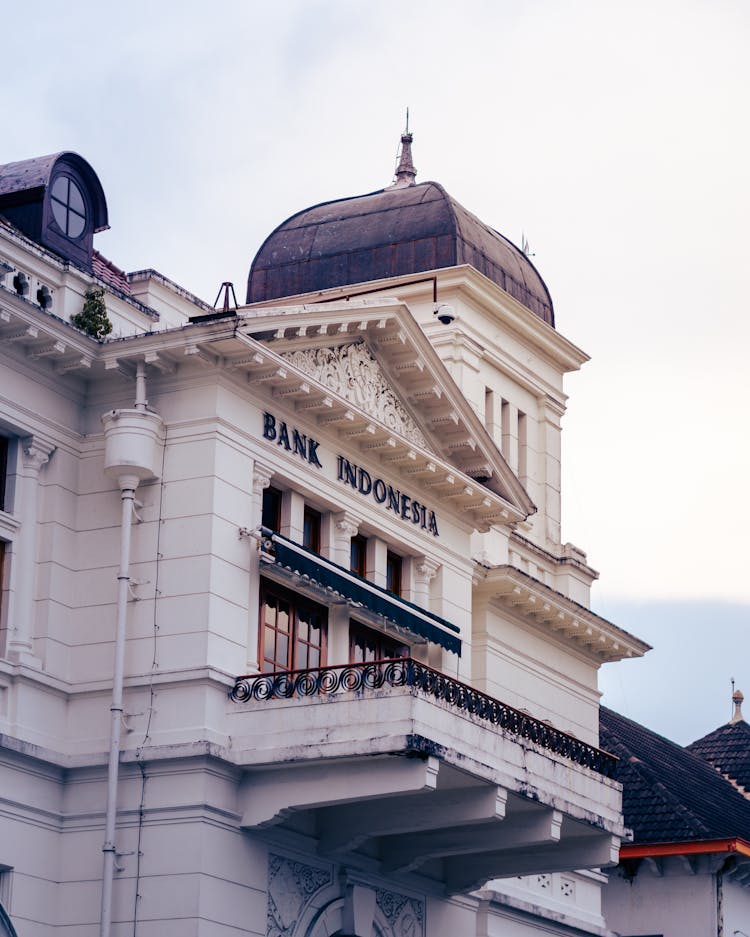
[395,763]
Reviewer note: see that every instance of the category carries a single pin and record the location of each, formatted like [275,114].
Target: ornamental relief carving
[291,885]
[353,373]
[405,915]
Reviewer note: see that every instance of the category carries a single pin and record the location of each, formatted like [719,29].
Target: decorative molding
[346,524]
[35,453]
[352,372]
[425,569]
[405,915]
[291,885]
[262,476]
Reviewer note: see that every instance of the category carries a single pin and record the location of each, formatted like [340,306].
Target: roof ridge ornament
[737,699]
[406,174]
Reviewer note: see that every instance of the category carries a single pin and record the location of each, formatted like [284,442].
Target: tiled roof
[105,270]
[670,795]
[728,750]
[27,174]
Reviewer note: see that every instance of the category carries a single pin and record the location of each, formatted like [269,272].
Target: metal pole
[128,485]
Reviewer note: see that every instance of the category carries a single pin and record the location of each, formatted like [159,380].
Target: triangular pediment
[375,356]
[353,372]
[366,371]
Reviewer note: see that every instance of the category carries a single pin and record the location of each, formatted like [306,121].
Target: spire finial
[405,171]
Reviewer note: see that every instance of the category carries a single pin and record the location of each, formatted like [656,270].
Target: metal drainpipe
[128,484]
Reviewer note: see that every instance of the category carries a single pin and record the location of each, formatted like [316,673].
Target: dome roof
[401,230]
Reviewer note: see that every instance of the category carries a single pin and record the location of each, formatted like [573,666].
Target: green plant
[93,318]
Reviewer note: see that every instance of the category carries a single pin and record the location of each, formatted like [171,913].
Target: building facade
[686,872]
[290,642]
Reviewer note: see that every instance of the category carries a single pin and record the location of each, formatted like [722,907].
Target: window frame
[385,646]
[297,603]
[271,503]
[359,542]
[311,527]
[4,453]
[394,573]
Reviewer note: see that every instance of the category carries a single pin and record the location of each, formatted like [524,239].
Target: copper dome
[393,232]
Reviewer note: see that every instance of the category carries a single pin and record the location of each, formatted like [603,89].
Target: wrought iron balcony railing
[406,672]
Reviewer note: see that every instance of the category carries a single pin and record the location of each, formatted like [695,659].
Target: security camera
[444,313]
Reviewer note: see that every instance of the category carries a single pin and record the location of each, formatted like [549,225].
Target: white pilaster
[261,479]
[34,454]
[345,526]
[425,570]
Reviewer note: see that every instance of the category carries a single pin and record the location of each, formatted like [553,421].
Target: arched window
[68,207]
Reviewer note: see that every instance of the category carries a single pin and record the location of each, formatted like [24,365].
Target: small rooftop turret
[737,699]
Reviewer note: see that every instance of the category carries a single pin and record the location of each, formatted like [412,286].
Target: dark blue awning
[358,591]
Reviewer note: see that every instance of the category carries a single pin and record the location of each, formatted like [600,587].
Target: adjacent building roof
[111,274]
[727,749]
[402,230]
[670,795]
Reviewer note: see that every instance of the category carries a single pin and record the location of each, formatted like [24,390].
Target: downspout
[132,443]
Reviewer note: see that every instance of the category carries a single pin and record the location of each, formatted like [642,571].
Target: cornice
[514,315]
[252,347]
[465,278]
[570,621]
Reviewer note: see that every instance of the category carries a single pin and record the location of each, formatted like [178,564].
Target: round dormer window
[68,207]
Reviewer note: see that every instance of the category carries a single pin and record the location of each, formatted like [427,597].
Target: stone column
[425,570]
[261,479]
[34,454]
[345,526]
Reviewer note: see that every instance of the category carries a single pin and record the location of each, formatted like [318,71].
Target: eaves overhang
[689,848]
[464,278]
[529,327]
[42,336]
[568,620]
[730,857]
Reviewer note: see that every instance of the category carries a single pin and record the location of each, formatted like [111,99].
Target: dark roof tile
[669,793]
[728,750]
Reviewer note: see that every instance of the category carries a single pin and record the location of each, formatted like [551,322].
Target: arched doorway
[6,928]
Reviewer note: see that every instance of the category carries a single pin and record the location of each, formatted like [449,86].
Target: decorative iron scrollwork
[408,673]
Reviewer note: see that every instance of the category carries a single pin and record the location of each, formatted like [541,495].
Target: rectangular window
[271,517]
[2,588]
[393,573]
[489,410]
[522,446]
[358,555]
[367,645]
[3,470]
[311,530]
[293,631]
[505,430]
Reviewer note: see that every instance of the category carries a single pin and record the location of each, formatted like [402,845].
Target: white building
[360,465]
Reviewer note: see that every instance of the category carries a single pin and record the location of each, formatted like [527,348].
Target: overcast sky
[614,135]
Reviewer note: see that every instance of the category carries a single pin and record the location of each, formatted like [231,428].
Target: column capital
[425,568]
[346,524]
[35,453]
[262,475]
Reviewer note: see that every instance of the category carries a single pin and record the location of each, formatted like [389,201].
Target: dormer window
[57,201]
[68,207]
